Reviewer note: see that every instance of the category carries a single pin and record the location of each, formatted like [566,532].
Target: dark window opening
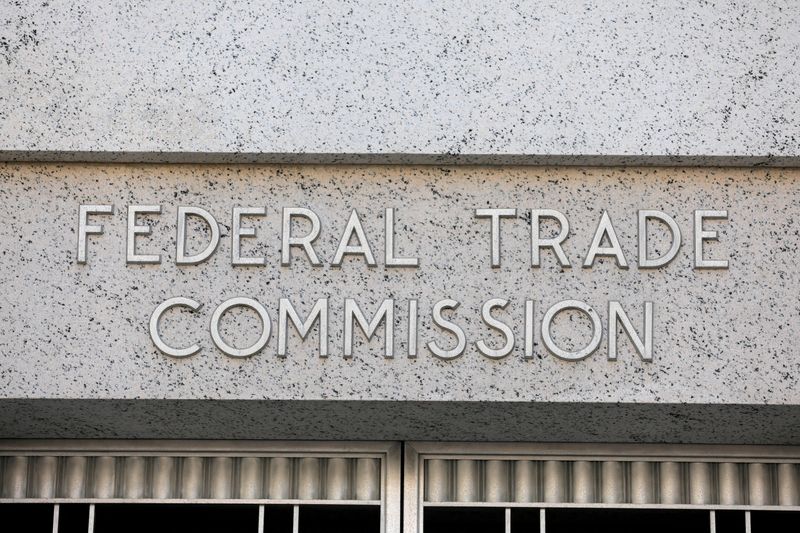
[168,518]
[730,521]
[339,519]
[763,521]
[464,520]
[526,520]
[73,518]
[615,520]
[26,517]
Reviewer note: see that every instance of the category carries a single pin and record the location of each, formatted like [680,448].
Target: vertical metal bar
[554,478]
[612,482]
[468,480]
[582,482]
[192,478]
[368,478]
[670,489]
[543,522]
[56,512]
[747,527]
[250,477]
[497,481]
[163,476]
[437,480]
[134,477]
[75,477]
[729,489]
[91,519]
[712,522]
[296,519]
[260,519]
[104,477]
[221,478]
[788,485]
[642,482]
[759,484]
[308,479]
[337,486]
[508,519]
[280,478]
[46,469]
[525,481]
[700,483]
[16,477]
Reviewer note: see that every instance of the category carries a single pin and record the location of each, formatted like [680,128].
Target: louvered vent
[190,478]
[612,482]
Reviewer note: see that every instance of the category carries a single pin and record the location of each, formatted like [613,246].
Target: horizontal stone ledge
[389,158]
[407,420]
[614,76]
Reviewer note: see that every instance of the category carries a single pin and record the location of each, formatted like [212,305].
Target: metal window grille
[511,477]
[275,474]
[516,487]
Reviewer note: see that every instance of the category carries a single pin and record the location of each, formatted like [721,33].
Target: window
[296,487]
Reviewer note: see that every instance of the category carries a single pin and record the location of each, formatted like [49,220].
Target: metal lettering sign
[355,243]
[400,283]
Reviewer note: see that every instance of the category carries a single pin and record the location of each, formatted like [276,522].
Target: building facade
[422,267]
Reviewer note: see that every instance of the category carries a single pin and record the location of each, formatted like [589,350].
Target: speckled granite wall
[725,340]
[613,81]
